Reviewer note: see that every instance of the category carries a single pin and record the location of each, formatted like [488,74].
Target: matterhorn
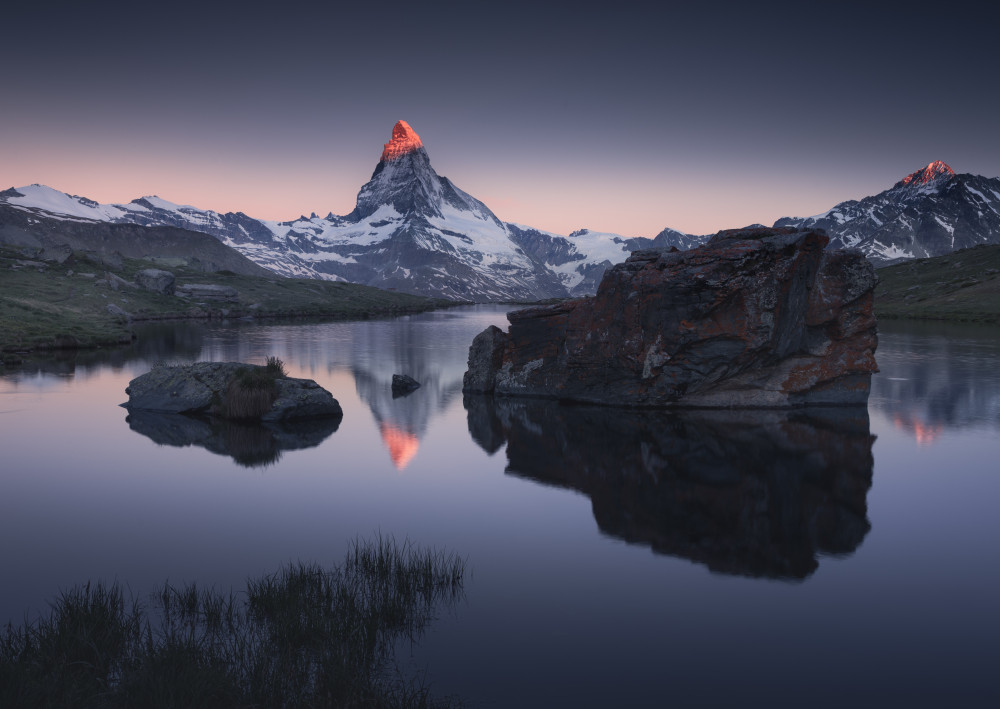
[411,230]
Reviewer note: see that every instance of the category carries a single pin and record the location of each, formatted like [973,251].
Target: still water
[616,559]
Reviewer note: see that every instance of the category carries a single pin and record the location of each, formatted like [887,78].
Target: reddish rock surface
[756,317]
[404,141]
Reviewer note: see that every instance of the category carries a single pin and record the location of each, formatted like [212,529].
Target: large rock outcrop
[198,388]
[754,318]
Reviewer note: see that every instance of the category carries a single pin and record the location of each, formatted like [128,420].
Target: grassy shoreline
[963,286]
[79,304]
[51,306]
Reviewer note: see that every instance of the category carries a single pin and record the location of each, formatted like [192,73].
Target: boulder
[206,291]
[755,318]
[198,388]
[117,283]
[156,280]
[403,384]
[117,311]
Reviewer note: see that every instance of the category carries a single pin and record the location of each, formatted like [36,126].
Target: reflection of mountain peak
[925,433]
[402,445]
[427,348]
[756,494]
[937,377]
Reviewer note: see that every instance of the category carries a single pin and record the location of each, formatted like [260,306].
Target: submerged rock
[755,318]
[198,389]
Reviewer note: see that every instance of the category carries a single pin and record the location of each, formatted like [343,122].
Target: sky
[560,116]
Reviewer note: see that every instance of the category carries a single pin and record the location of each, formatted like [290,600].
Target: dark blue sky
[618,118]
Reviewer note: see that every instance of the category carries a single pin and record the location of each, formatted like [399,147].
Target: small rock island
[231,390]
[757,317]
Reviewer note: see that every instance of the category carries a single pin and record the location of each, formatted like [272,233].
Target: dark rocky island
[757,317]
[231,390]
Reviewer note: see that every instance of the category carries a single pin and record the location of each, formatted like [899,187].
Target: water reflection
[430,347]
[251,445]
[155,342]
[757,493]
[937,376]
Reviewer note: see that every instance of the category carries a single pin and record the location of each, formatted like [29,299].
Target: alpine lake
[614,558]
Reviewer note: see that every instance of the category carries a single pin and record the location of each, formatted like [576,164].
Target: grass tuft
[306,636]
[275,367]
[252,391]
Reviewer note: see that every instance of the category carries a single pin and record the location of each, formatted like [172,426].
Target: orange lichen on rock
[404,141]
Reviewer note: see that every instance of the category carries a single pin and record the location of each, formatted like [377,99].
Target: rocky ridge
[930,212]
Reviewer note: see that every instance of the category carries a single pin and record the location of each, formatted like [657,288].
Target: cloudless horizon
[560,117]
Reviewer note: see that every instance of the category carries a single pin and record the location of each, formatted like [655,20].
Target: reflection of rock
[198,388]
[250,445]
[485,426]
[751,493]
[756,317]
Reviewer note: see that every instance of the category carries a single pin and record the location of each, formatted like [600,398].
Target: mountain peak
[933,171]
[404,141]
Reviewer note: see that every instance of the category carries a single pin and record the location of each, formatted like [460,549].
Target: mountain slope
[930,212]
[34,228]
[411,230]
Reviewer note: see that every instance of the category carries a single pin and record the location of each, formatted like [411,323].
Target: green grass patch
[51,305]
[303,637]
[961,286]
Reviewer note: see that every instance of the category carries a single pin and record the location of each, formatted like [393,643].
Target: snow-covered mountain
[411,230]
[930,212]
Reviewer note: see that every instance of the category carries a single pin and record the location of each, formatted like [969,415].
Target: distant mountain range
[930,212]
[411,230]
[415,231]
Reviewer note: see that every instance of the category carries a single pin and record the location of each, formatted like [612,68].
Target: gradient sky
[617,119]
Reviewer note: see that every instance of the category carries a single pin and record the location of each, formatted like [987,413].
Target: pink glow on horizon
[559,200]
